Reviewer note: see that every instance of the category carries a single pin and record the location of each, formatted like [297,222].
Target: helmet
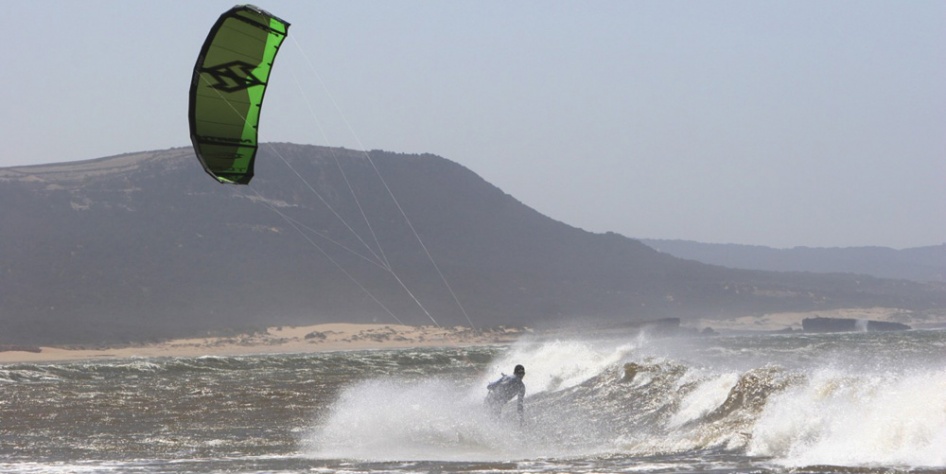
[519,370]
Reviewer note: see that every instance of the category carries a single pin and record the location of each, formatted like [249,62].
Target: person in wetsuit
[504,389]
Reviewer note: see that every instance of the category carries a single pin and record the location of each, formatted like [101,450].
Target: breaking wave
[863,400]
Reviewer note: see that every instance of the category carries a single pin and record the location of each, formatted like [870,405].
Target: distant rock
[849,325]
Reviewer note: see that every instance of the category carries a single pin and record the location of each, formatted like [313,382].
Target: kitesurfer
[504,389]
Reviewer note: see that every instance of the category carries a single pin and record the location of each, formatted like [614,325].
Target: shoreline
[336,337]
[327,337]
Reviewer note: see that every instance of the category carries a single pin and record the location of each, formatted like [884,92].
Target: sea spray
[391,418]
[559,364]
[442,419]
[842,418]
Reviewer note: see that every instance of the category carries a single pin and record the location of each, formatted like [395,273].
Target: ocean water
[856,402]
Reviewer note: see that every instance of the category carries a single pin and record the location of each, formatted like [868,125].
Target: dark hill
[146,246]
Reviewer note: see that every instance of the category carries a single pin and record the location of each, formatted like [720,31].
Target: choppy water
[864,402]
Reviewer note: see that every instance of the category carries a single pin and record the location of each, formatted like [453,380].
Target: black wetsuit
[503,390]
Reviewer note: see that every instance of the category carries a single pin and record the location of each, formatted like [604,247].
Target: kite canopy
[227,90]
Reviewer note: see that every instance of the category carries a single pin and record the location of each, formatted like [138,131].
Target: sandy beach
[280,340]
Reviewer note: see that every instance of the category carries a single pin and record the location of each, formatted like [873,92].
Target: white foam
[404,420]
[857,419]
[705,398]
[559,364]
[398,419]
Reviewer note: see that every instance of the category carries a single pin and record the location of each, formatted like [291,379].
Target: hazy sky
[818,123]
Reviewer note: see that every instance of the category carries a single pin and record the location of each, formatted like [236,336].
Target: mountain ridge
[922,264]
[144,246]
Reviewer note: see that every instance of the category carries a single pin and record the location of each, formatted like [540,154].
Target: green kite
[227,89]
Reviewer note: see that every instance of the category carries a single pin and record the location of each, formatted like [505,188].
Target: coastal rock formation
[849,325]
